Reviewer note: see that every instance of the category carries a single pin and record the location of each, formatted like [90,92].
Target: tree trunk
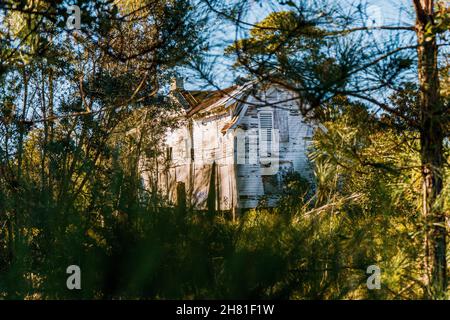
[212,195]
[431,143]
[181,198]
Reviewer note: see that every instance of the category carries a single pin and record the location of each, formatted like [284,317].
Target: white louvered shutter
[266,133]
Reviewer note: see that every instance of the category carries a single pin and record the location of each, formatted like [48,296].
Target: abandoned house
[235,144]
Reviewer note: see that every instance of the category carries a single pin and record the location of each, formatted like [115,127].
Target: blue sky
[381,12]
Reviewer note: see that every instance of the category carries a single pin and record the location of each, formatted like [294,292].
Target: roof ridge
[211,99]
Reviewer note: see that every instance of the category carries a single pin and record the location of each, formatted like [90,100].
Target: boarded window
[282,124]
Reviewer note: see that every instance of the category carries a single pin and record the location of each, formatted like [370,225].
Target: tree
[323,49]
[66,99]
[434,117]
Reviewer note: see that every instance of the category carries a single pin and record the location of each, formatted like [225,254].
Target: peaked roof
[197,100]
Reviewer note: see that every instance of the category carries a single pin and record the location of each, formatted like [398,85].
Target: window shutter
[265,135]
[266,122]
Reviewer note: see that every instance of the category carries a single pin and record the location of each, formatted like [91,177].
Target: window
[282,119]
[265,133]
[169,153]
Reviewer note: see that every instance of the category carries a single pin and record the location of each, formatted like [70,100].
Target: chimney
[176,84]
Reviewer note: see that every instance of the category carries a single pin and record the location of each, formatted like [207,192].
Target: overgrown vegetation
[81,109]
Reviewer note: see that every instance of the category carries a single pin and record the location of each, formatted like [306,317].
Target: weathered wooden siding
[208,145]
[177,140]
[294,137]
[238,184]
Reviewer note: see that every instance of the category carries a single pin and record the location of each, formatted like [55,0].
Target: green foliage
[278,33]
[315,245]
[367,175]
[79,117]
